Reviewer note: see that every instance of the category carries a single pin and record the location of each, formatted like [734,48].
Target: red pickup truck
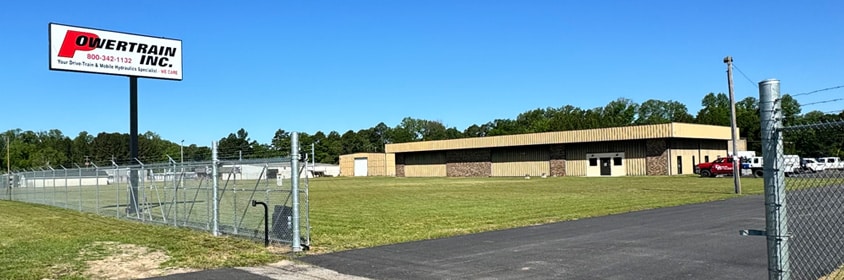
[720,166]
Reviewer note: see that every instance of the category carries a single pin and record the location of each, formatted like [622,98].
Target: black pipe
[266,222]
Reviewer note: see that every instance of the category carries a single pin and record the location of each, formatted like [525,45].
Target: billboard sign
[106,52]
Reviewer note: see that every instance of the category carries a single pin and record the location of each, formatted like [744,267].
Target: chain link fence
[177,194]
[804,197]
[815,207]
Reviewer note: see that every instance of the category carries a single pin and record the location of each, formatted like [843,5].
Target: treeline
[28,149]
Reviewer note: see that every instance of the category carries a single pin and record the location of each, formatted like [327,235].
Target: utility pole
[736,161]
[182,152]
[8,162]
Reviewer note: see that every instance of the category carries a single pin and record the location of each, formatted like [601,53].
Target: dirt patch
[112,260]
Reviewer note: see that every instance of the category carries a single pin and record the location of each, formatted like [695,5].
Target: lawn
[44,242]
[348,213]
[345,213]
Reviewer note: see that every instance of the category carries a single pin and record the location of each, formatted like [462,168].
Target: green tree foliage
[567,118]
[790,109]
[619,112]
[28,149]
[715,111]
[747,120]
[655,111]
[236,145]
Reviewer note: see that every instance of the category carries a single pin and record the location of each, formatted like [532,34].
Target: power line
[745,76]
[821,102]
[816,91]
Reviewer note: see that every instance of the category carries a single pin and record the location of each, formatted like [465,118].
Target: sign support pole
[133,144]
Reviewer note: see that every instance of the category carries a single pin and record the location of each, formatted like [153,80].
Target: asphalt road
[699,241]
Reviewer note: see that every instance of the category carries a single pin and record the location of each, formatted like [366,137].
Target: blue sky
[348,65]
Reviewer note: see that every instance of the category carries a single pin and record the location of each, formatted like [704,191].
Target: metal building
[368,164]
[661,149]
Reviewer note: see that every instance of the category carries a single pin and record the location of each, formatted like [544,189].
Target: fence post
[97,185]
[79,186]
[116,179]
[215,204]
[776,223]
[294,189]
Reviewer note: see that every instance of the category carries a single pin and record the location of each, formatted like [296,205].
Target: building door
[679,164]
[606,169]
[361,167]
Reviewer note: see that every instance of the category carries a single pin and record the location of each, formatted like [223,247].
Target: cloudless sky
[326,66]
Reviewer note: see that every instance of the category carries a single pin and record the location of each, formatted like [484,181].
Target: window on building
[616,161]
[705,158]
[593,162]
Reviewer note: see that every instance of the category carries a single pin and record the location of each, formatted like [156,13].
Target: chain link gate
[804,198]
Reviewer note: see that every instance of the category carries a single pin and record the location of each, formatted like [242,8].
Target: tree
[715,111]
[619,112]
[334,148]
[566,118]
[111,146]
[537,120]
[790,109]
[281,142]
[747,120]
[433,130]
[235,145]
[505,127]
[655,111]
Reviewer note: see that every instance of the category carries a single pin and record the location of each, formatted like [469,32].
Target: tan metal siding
[425,164]
[425,170]
[347,165]
[378,164]
[533,161]
[656,131]
[697,148]
[688,130]
[557,137]
[634,156]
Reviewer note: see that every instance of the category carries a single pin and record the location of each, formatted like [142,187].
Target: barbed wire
[821,102]
[745,76]
[816,91]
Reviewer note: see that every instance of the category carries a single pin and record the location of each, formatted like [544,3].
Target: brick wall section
[469,163]
[657,157]
[558,160]
[399,165]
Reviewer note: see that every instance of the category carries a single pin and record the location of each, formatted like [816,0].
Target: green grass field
[43,242]
[349,213]
[345,213]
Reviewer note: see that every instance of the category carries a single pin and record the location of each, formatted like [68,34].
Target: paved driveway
[698,241]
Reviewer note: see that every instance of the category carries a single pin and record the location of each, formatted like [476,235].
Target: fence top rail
[821,124]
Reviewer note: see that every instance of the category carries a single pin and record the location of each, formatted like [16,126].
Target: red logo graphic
[75,41]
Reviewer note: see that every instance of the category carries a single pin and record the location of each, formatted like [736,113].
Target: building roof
[654,131]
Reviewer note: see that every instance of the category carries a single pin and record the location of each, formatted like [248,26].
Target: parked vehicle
[754,164]
[791,164]
[720,166]
[812,165]
[831,162]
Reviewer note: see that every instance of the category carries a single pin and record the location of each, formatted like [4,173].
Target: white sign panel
[106,52]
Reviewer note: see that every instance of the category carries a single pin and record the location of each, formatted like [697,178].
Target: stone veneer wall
[558,160]
[399,165]
[469,163]
[657,157]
